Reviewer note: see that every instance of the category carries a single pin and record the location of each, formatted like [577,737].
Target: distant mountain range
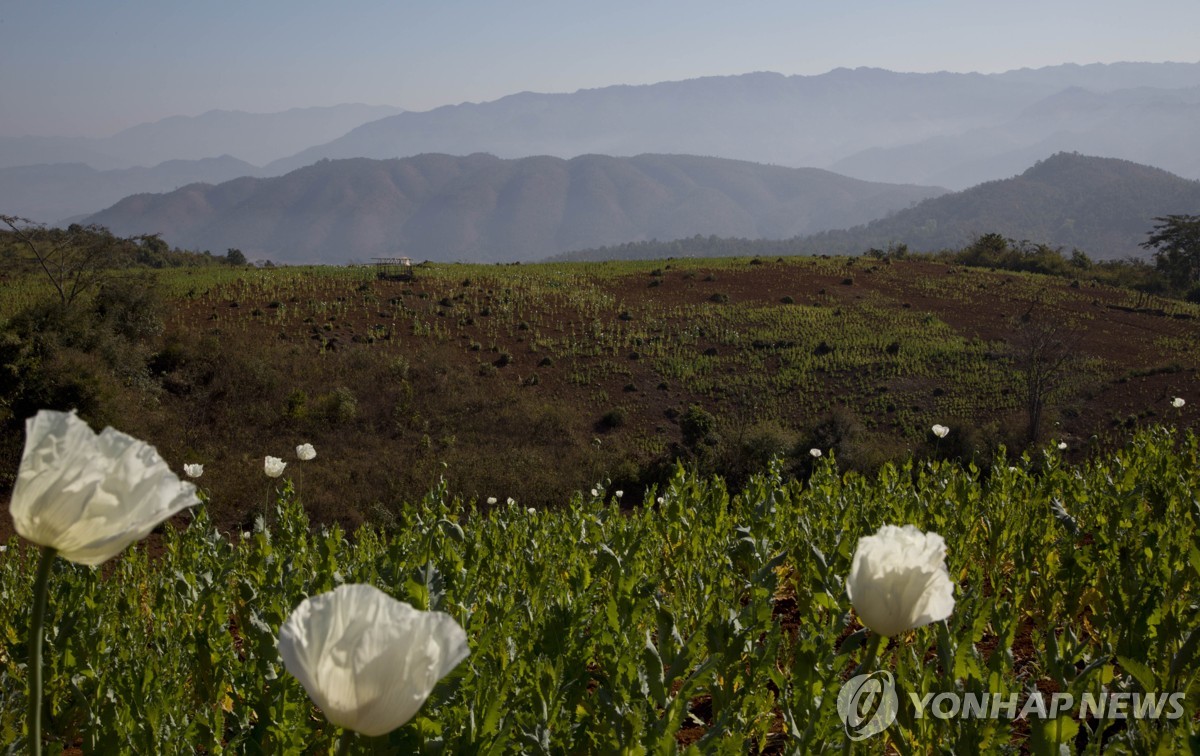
[256,138]
[1102,206]
[59,193]
[483,208]
[940,129]
[946,129]
[1146,125]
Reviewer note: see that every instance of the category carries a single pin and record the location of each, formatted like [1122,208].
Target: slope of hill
[533,381]
[788,120]
[58,192]
[483,208]
[1102,206]
[256,138]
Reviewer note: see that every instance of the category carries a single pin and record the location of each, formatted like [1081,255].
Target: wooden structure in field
[393,268]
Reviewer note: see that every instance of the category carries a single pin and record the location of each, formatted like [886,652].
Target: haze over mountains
[928,130]
[483,208]
[255,138]
[57,179]
[862,122]
[1072,120]
[66,191]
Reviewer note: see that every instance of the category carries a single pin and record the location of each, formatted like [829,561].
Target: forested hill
[1102,206]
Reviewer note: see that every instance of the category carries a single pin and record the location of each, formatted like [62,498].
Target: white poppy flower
[940,431]
[491,500]
[368,660]
[816,453]
[193,471]
[89,495]
[1178,402]
[306,452]
[1062,445]
[898,580]
[531,511]
[273,466]
[618,494]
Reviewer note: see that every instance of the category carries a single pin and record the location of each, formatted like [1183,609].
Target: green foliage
[339,406]
[131,307]
[705,618]
[1176,244]
[697,426]
[297,405]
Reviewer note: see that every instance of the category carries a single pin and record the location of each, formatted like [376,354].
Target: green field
[700,621]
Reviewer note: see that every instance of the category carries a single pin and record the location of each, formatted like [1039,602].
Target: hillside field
[603,471]
[534,381]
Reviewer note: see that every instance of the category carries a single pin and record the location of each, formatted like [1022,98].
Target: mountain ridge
[766,117]
[484,208]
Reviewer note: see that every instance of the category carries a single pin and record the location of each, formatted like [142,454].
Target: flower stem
[874,642]
[873,645]
[36,631]
[344,744]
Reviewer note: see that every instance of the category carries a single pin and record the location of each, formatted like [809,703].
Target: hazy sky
[91,68]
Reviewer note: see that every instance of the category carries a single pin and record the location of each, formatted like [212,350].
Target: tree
[74,259]
[1176,244]
[1043,348]
[234,256]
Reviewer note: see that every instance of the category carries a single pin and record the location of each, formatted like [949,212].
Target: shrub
[339,406]
[400,368]
[697,425]
[614,418]
[131,307]
[297,405]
